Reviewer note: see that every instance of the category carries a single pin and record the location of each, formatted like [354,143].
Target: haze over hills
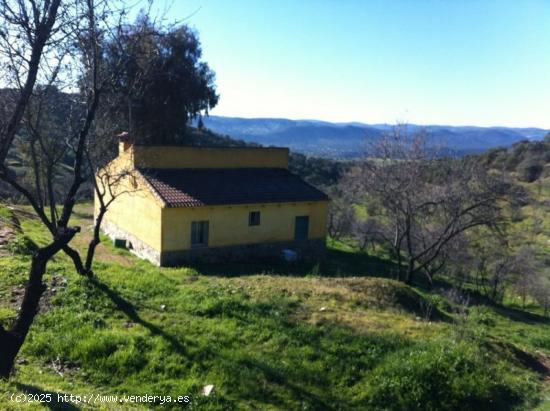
[348,140]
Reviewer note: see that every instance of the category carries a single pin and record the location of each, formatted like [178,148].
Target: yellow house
[188,203]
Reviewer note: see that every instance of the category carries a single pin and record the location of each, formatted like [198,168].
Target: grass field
[341,335]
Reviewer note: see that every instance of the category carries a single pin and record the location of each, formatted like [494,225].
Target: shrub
[530,170]
[444,375]
[482,316]
[22,245]
[5,213]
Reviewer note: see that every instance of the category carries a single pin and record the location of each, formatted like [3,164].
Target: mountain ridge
[348,140]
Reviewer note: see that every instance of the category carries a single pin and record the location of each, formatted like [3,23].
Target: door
[301,228]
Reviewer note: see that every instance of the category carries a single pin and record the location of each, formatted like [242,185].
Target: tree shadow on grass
[296,388]
[477,298]
[54,404]
[518,315]
[271,374]
[277,377]
[129,310]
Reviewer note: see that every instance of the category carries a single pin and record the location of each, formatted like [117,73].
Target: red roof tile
[203,187]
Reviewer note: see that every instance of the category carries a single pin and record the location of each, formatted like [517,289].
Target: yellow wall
[136,211]
[208,157]
[228,225]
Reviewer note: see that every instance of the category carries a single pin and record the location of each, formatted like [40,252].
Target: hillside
[348,140]
[333,336]
[529,161]
[318,171]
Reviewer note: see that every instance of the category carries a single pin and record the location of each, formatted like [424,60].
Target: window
[199,233]
[301,227]
[254,218]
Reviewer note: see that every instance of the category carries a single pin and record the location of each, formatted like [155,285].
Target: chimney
[124,142]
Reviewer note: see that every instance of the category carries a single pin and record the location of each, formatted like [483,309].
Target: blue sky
[464,62]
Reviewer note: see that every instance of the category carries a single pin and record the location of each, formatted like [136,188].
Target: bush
[22,245]
[5,213]
[541,341]
[440,302]
[444,375]
[482,316]
[528,158]
[530,170]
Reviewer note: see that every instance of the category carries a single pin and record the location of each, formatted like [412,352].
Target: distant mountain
[349,140]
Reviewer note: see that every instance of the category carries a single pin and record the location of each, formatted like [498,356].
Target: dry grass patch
[364,304]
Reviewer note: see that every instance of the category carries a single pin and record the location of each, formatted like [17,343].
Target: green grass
[340,335]
[5,213]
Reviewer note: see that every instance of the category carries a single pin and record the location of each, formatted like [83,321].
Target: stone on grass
[207,390]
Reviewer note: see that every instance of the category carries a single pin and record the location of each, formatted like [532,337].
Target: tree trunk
[10,347]
[77,261]
[95,240]
[399,262]
[410,272]
[494,290]
[11,340]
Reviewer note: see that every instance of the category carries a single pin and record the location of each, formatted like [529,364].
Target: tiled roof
[203,187]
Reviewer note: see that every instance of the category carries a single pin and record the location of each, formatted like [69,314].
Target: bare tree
[53,114]
[46,43]
[33,25]
[494,266]
[425,200]
[367,232]
[341,215]
[531,277]
[109,180]
[109,183]
[541,292]
[26,30]
[494,271]
[460,303]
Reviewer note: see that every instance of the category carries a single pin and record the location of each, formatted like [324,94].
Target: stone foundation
[132,243]
[309,250]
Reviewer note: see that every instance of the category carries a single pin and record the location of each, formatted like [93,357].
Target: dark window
[199,233]
[254,218]
[301,228]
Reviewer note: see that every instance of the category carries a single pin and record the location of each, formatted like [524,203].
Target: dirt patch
[7,234]
[53,286]
[106,255]
[532,362]
[62,367]
[383,293]
[21,212]
[537,362]
[545,361]
[9,228]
